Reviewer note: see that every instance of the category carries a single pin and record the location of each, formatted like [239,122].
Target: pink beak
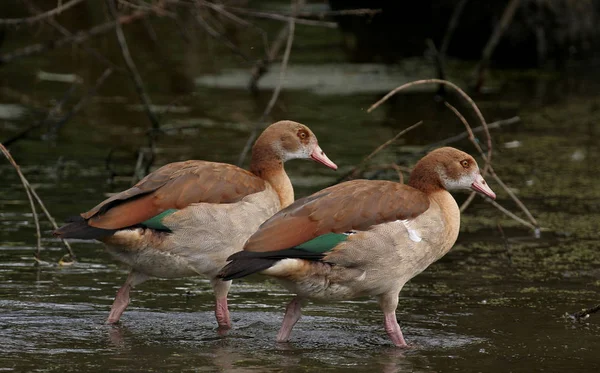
[480,186]
[319,155]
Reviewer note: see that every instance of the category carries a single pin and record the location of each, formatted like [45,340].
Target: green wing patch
[323,243]
[155,222]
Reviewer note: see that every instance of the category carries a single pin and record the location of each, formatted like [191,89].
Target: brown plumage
[397,231]
[174,186]
[214,208]
[353,205]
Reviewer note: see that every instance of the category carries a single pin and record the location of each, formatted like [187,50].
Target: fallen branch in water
[584,314]
[286,56]
[30,195]
[352,173]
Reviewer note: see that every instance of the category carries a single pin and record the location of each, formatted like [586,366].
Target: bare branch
[30,194]
[42,16]
[352,173]
[276,91]
[81,36]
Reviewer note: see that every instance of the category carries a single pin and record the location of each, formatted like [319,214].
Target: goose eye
[302,135]
[465,163]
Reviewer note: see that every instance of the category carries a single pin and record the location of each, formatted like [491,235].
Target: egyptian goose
[186,218]
[362,237]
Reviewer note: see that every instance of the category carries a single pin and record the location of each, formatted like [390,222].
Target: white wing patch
[412,233]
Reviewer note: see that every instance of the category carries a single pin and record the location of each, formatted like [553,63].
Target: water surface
[493,304]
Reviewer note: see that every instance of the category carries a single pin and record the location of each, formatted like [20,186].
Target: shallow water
[493,304]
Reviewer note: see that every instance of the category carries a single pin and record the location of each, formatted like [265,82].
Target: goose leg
[388,304]
[122,299]
[221,289]
[292,315]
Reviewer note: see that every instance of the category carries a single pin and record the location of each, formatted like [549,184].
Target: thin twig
[503,24]
[469,130]
[514,197]
[352,173]
[221,10]
[320,15]
[51,114]
[389,166]
[42,16]
[282,17]
[460,91]
[29,197]
[91,92]
[133,71]
[465,134]
[451,27]
[485,155]
[138,83]
[31,192]
[52,22]
[81,36]
[276,91]
[217,35]
[506,244]
[488,168]
[261,67]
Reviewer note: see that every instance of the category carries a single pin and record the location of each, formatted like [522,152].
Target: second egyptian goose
[186,218]
[362,237]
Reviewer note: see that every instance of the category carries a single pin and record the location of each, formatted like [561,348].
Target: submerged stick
[352,173]
[276,91]
[584,314]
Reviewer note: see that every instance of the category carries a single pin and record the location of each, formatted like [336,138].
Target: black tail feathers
[245,263]
[78,228]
